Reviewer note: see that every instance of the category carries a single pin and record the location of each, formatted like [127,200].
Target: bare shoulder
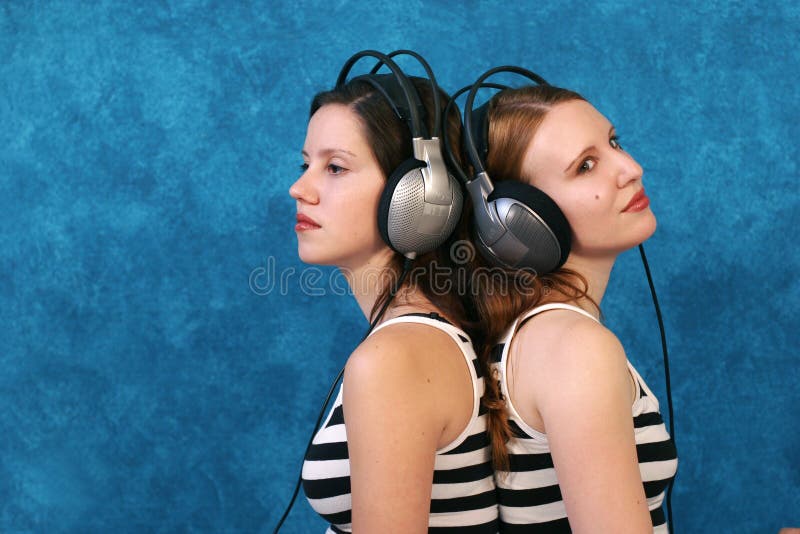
[409,375]
[560,347]
[402,352]
[563,333]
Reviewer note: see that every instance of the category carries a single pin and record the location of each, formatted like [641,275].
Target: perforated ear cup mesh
[385,203]
[405,221]
[536,221]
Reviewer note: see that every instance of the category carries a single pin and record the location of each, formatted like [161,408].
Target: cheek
[588,206]
[597,200]
[358,209]
[589,213]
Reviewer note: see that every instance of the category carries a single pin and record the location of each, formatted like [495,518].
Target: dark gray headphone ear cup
[535,220]
[406,222]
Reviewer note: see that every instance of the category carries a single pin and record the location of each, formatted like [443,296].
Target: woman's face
[337,194]
[575,158]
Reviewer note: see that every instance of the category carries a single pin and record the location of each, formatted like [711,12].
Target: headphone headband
[516,224]
[414,119]
[477,163]
[437,120]
[448,148]
[386,84]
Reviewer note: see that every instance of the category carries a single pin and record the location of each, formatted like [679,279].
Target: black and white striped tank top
[463,498]
[529,496]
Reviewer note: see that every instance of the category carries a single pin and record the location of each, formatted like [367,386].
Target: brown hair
[389,138]
[514,116]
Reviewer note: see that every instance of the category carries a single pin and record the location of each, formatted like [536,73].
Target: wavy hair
[514,117]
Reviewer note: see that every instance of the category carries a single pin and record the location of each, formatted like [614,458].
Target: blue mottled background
[163,352]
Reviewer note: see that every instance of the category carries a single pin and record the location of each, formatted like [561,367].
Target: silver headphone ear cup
[407,222]
[538,247]
[535,233]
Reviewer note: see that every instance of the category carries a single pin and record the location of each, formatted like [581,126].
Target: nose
[629,169]
[304,190]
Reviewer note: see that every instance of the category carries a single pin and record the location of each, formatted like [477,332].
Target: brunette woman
[404,448]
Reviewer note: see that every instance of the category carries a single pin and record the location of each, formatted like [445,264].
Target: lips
[638,202]
[304,222]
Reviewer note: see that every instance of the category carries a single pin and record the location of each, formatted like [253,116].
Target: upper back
[463,489]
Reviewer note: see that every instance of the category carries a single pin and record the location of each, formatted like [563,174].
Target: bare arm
[580,385]
[395,419]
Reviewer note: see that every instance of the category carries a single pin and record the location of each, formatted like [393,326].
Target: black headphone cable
[666,378]
[406,268]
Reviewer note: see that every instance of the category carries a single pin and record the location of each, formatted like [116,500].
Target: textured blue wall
[151,379]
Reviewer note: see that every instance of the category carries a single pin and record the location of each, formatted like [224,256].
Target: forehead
[335,126]
[566,130]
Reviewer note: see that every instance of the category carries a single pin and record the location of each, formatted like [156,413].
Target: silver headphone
[516,225]
[421,202]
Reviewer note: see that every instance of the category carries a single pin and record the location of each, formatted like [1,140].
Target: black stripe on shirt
[326,487]
[656,452]
[527,497]
[470,473]
[337,417]
[530,462]
[658,517]
[486,528]
[459,504]
[338,518]
[496,355]
[647,419]
[477,365]
[655,487]
[472,443]
[328,451]
[557,526]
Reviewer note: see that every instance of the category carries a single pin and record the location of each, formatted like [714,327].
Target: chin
[650,227]
[312,257]
[643,228]
[645,232]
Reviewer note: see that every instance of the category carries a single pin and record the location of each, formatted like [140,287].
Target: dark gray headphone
[516,224]
[421,202]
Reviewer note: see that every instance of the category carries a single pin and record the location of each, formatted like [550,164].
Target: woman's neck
[411,301]
[371,280]
[596,271]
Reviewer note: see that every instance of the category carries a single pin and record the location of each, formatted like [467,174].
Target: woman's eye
[304,167]
[335,169]
[614,142]
[586,166]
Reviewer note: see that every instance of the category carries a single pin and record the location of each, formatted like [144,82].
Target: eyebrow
[331,151]
[587,149]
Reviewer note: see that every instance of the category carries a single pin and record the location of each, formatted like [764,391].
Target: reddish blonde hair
[514,117]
